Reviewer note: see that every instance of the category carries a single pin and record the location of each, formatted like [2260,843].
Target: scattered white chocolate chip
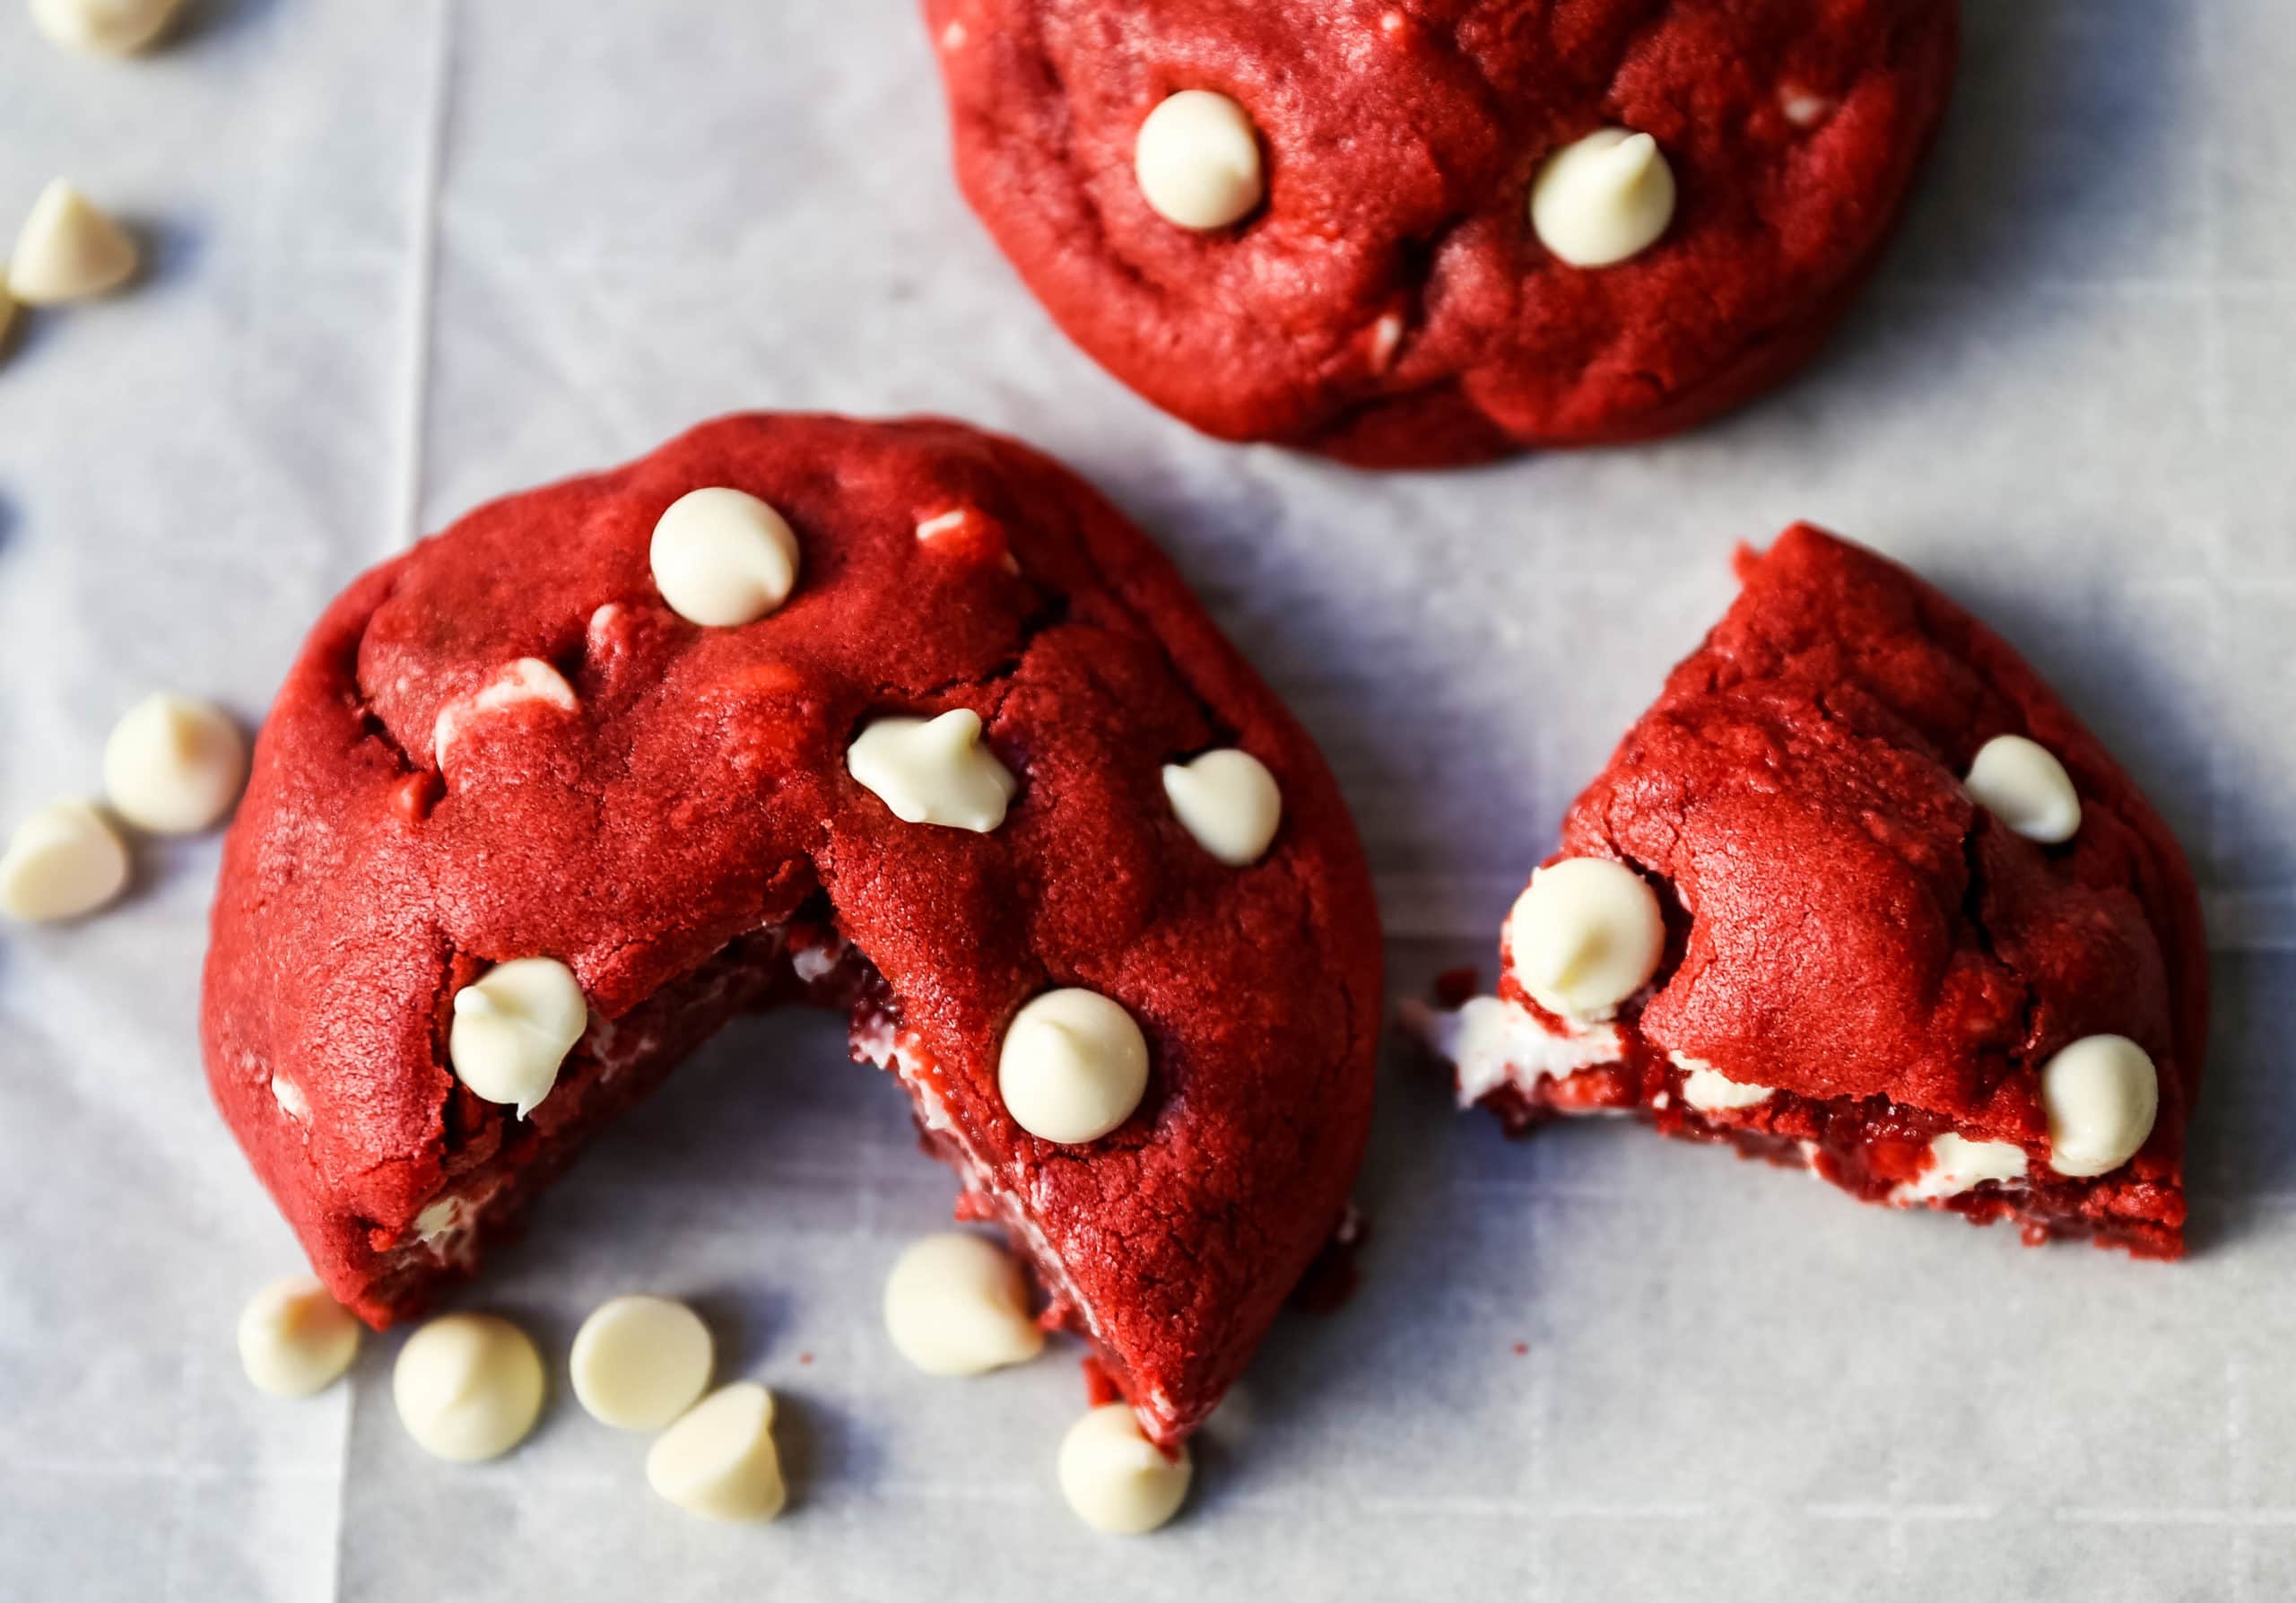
[718,1460]
[1229,801]
[1802,108]
[1073,1067]
[946,523]
[640,1362]
[1710,1091]
[1495,1041]
[1603,198]
[513,1027]
[934,771]
[2021,783]
[1115,1478]
[1585,936]
[174,765]
[723,557]
[291,1099]
[957,1304]
[68,250]
[468,1386]
[440,1220]
[2101,1095]
[294,1338]
[1958,1164]
[526,679]
[1197,161]
[63,861]
[107,27]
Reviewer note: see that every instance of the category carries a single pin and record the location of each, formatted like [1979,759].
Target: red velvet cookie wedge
[1859,893]
[1410,233]
[898,718]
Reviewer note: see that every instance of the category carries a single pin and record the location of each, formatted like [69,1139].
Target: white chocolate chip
[946,523]
[957,1304]
[723,558]
[107,27]
[640,1362]
[513,1027]
[68,250]
[294,1338]
[1115,1478]
[1585,937]
[934,771]
[1229,801]
[1604,198]
[1495,1041]
[1711,1091]
[1958,1164]
[291,1099]
[2101,1095]
[174,765]
[529,679]
[1802,108]
[1073,1067]
[440,1220]
[2021,783]
[468,1386]
[63,861]
[1197,161]
[719,1461]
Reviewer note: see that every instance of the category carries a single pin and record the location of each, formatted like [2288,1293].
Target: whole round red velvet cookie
[508,744]
[1410,233]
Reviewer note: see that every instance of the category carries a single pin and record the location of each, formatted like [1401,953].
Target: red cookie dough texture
[1861,968]
[687,837]
[1389,300]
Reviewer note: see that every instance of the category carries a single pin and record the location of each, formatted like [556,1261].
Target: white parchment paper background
[415,253]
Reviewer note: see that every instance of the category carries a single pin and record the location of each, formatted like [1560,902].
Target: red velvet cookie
[510,745]
[1413,233]
[1859,893]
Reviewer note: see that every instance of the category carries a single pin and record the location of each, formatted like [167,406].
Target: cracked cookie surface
[1389,301]
[666,808]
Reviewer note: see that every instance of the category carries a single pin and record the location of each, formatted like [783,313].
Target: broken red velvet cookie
[898,719]
[1412,232]
[1858,893]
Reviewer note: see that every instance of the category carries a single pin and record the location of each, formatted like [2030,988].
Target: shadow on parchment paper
[205,20]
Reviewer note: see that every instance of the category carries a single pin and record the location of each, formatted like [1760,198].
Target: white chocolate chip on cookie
[63,861]
[529,679]
[719,1461]
[640,1362]
[1115,1478]
[68,250]
[934,771]
[1958,1164]
[2101,1095]
[513,1027]
[1604,198]
[1229,801]
[1585,937]
[174,765]
[468,1386]
[2021,783]
[723,558]
[957,1304]
[107,27]
[1197,161]
[1073,1067]
[294,1338]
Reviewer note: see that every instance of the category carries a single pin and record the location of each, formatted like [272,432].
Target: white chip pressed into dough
[640,1361]
[294,1338]
[2101,1095]
[174,764]
[723,557]
[513,1026]
[1959,1165]
[68,250]
[2021,783]
[1197,161]
[719,1461]
[958,1304]
[1115,1478]
[934,771]
[1229,801]
[1604,198]
[107,27]
[1585,936]
[1073,1065]
[468,1386]
[63,861]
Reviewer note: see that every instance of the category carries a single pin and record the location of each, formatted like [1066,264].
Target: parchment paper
[409,255]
